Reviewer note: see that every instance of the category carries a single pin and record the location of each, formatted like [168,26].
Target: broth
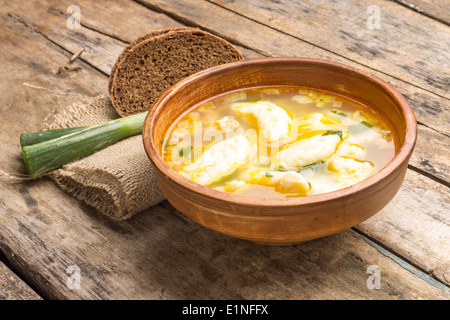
[279,142]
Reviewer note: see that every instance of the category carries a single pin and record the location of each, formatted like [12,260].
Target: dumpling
[350,170]
[319,121]
[351,150]
[234,185]
[273,119]
[227,123]
[307,151]
[219,161]
[284,182]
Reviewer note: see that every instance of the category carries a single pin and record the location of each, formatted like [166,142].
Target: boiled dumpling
[219,161]
[234,185]
[227,123]
[284,182]
[351,150]
[271,118]
[307,151]
[350,170]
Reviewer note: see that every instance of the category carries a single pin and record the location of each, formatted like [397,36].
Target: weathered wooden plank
[431,109]
[181,260]
[110,21]
[157,254]
[411,47]
[426,159]
[105,16]
[423,206]
[436,9]
[99,51]
[432,153]
[54,27]
[13,288]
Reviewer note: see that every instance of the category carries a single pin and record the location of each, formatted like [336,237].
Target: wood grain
[432,153]
[424,207]
[13,288]
[435,9]
[159,254]
[181,260]
[104,16]
[415,52]
[54,28]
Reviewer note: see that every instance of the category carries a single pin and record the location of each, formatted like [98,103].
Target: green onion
[185,151]
[28,139]
[312,166]
[360,127]
[268,174]
[338,132]
[367,124]
[339,113]
[249,100]
[51,154]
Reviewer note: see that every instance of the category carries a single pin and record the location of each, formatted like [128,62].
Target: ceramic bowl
[292,220]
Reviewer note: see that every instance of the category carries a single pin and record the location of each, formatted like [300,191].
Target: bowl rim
[400,157]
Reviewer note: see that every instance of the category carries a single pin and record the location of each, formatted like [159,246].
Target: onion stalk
[47,150]
[27,139]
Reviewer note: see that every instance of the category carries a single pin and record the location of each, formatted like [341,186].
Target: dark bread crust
[155,62]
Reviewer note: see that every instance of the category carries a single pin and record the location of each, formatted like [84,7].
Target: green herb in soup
[279,142]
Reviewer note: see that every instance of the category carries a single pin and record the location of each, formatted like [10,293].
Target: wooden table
[45,234]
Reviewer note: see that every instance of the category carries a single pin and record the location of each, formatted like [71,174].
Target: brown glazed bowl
[292,220]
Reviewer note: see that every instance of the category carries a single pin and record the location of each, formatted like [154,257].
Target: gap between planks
[418,9]
[413,89]
[18,20]
[402,261]
[405,264]
[4,260]
[191,23]
[429,175]
[317,46]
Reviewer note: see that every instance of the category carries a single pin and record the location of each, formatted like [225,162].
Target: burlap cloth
[118,181]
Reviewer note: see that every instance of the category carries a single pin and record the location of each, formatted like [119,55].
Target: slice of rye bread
[135,42]
[156,62]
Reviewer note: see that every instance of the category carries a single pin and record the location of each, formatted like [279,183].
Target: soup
[279,142]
